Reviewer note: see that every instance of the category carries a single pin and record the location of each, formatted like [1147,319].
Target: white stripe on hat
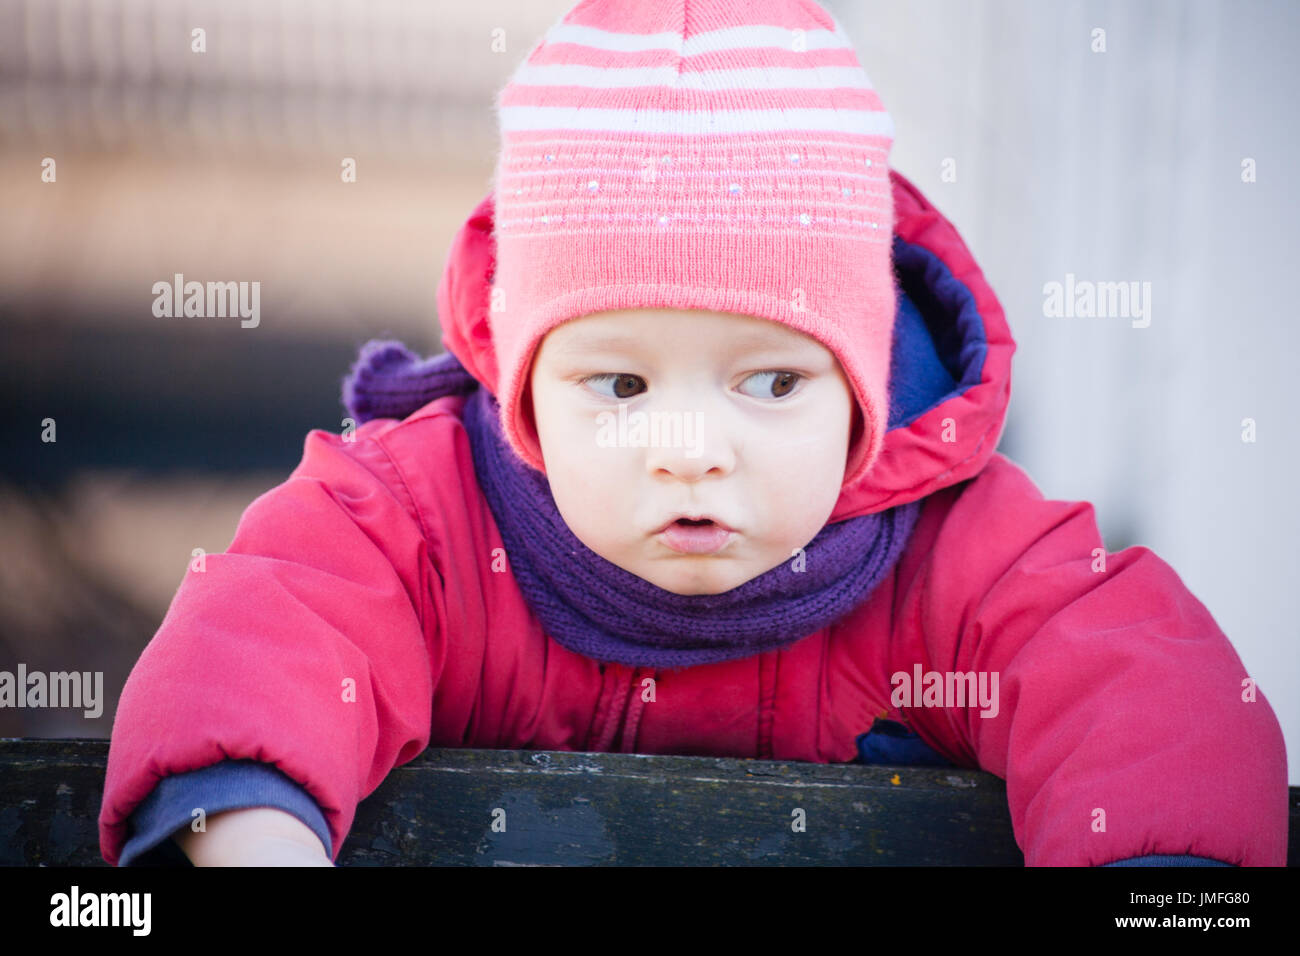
[731,38]
[862,122]
[775,78]
[747,37]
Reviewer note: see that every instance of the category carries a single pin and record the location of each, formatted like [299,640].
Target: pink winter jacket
[373,564]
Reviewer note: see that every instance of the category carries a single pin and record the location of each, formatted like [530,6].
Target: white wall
[1126,165]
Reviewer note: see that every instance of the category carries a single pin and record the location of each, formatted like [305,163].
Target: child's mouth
[695,536]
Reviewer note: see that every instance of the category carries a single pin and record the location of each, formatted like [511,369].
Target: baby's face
[728,416]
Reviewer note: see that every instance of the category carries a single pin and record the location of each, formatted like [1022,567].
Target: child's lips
[681,519]
[689,538]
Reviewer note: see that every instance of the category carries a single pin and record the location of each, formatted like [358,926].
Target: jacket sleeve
[229,785]
[1122,726]
[1156,859]
[303,647]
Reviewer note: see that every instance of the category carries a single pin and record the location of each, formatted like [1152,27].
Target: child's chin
[694,581]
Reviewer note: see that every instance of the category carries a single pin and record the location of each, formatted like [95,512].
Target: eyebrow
[743,344]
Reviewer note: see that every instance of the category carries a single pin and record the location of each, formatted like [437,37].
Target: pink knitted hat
[727,155]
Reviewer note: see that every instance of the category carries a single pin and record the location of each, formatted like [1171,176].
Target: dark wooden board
[582,809]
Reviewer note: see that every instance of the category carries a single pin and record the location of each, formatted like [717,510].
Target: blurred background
[1049,155]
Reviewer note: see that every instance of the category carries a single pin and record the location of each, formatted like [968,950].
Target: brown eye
[625,384]
[784,384]
[780,385]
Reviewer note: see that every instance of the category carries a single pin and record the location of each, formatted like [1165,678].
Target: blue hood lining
[939,339]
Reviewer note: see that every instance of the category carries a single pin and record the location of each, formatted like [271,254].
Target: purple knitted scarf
[593,606]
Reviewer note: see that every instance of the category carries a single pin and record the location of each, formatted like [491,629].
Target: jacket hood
[950,366]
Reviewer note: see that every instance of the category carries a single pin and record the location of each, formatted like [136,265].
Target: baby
[708,467]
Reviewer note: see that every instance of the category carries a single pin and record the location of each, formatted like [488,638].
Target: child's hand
[258,836]
[276,851]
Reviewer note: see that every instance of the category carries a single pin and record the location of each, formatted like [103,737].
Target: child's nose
[690,449]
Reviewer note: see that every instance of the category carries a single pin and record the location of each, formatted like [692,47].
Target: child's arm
[1122,728]
[259,836]
[311,646]
[225,786]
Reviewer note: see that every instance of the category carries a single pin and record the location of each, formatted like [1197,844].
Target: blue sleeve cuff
[1161,859]
[228,785]
[889,742]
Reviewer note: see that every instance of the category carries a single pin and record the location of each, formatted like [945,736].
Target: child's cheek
[585,467]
